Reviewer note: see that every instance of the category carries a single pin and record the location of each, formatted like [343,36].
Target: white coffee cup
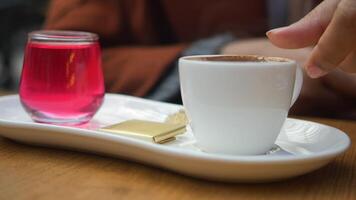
[238,104]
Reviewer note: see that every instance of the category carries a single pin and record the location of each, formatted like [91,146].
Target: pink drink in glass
[62,81]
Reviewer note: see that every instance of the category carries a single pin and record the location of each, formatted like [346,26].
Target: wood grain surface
[29,172]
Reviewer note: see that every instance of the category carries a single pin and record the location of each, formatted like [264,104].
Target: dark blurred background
[17,18]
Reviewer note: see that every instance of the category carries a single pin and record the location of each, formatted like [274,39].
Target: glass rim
[62,36]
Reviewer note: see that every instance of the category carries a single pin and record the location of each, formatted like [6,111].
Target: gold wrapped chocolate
[147,130]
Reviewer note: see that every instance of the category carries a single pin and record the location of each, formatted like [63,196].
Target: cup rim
[66,36]
[262,60]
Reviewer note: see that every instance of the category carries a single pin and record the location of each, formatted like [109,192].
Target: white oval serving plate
[303,146]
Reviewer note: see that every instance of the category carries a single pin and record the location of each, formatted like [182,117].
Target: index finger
[338,40]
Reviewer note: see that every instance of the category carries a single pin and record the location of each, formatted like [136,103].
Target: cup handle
[297,84]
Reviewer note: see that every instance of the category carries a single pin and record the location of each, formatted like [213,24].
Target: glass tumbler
[62,80]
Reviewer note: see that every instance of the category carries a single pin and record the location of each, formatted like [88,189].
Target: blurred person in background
[142,40]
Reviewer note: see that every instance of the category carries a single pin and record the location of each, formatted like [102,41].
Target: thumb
[307,31]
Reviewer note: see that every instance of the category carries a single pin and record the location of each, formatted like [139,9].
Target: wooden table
[28,172]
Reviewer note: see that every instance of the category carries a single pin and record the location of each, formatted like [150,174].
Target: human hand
[331,27]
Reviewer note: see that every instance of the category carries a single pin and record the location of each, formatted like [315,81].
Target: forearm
[98,16]
[136,70]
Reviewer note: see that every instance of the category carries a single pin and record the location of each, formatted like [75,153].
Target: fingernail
[275,30]
[268,32]
[315,71]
